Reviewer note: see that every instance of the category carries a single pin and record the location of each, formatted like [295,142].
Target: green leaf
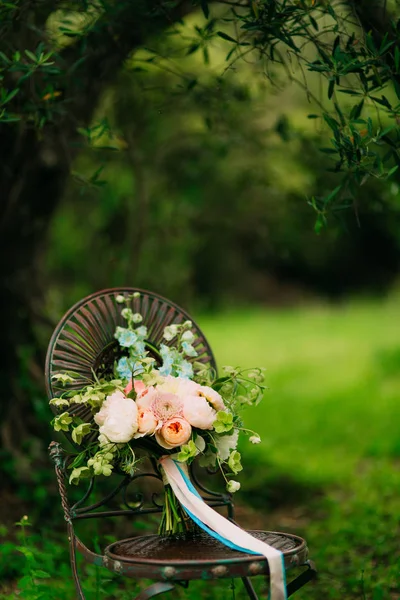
[356,110]
[11,95]
[204,8]
[382,100]
[320,222]
[328,150]
[396,87]
[397,58]
[333,124]
[392,170]
[38,574]
[334,193]
[227,37]
[31,55]
[313,23]
[331,88]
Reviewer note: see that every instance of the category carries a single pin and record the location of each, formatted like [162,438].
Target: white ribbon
[223,529]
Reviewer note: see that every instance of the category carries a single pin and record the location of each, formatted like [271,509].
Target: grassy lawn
[328,467]
[329,464]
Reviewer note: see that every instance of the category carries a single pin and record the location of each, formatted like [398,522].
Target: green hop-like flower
[188,451]
[224,422]
[234,462]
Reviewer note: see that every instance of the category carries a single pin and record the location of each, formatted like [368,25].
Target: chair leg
[156,588]
[249,588]
[307,575]
[74,565]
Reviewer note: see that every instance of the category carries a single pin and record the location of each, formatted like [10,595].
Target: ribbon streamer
[222,529]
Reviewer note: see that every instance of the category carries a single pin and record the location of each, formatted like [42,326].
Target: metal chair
[84,342]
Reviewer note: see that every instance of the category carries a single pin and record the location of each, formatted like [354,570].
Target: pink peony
[212,397]
[173,433]
[166,406]
[146,397]
[138,385]
[198,412]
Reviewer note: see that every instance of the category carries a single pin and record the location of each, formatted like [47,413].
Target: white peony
[118,418]
[198,412]
[226,443]
[212,397]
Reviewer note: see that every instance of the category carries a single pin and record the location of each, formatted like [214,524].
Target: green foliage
[302,40]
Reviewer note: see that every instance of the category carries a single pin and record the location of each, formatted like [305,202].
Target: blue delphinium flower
[124,368]
[188,349]
[184,370]
[165,370]
[141,331]
[168,356]
[125,337]
[138,349]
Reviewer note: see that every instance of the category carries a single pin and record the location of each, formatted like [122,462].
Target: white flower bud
[255,439]
[120,299]
[232,486]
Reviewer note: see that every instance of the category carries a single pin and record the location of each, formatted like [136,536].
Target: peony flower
[146,397]
[118,418]
[212,397]
[137,385]
[173,433]
[101,416]
[233,486]
[198,412]
[226,443]
[177,385]
[147,423]
[165,406]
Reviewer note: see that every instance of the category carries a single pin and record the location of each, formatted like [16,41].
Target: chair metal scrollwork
[84,342]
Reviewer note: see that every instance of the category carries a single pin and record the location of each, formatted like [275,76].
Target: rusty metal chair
[84,342]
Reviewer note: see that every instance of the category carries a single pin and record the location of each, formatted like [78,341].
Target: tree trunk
[32,178]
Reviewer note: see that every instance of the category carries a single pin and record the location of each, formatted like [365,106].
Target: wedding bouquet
[159,401]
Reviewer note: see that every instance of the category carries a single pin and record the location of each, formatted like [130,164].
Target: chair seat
[200,556]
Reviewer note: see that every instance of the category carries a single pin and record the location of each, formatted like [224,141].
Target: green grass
[328,467]
[330,424]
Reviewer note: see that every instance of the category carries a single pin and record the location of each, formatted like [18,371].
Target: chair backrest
[84,343]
